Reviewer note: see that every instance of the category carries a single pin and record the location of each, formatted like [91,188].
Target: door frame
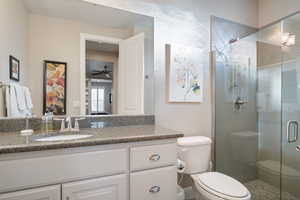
[83,38]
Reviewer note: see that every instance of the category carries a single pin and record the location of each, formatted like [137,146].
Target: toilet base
[201,194]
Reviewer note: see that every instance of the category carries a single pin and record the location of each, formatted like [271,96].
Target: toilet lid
[193,141]
[222,184]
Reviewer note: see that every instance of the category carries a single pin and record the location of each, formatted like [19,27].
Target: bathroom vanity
[117,163]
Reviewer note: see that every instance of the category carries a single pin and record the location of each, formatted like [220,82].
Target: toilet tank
[195,152]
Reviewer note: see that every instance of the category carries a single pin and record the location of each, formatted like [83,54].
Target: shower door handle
[290,124]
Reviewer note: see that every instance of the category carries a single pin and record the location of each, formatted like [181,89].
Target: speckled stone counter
[13,142]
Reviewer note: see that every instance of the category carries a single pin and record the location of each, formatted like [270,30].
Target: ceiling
[89,13]
[106,47]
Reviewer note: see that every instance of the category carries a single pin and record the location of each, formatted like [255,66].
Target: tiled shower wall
[235,130]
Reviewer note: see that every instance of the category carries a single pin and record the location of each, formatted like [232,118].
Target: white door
[131,76]
[42,193]
[107,188]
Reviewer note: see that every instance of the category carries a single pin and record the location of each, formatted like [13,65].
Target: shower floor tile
[264,191]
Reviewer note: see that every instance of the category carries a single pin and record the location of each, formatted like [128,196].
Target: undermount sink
[62,138]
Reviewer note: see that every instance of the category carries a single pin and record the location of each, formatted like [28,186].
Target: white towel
[12,102]
[2,102]
[7,101]
[28,99]
[20,97]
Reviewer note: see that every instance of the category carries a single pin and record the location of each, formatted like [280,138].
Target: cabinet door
[107,188]
[42,193]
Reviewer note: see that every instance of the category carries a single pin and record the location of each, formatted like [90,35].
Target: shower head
[233,40]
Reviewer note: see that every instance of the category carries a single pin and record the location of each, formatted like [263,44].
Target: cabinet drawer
[148,157]
[156,184]
[45,193]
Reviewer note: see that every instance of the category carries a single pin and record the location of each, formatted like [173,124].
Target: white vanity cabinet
[42,193]
[126,171]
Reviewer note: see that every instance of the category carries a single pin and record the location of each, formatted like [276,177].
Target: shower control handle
[290,124]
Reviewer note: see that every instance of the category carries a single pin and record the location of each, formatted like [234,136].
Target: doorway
[101,76]
[119,61]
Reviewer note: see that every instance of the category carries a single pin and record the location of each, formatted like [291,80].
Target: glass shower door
[290,165]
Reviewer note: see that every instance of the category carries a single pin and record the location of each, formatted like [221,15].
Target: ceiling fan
[105,72]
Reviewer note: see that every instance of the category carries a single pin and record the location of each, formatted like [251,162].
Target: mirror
[72,57]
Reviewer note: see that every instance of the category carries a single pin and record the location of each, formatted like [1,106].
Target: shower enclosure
[256,77]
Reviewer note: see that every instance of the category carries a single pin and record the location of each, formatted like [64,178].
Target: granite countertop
[13,142]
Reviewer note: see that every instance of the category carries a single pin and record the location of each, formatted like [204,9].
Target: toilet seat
[222,186]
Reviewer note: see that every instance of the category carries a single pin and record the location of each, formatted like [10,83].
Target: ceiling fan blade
[98,72]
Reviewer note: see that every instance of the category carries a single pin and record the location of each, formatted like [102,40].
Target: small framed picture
[14,68]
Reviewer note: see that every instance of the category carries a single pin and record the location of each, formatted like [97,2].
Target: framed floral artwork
[14,68]
[55,87]
[184,74]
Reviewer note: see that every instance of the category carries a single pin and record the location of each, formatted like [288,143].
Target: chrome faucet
[76,126]
[69,124]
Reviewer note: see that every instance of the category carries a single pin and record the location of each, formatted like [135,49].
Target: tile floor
[264,191]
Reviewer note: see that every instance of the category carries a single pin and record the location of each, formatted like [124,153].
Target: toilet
[195,152]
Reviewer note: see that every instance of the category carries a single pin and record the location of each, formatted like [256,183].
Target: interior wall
[13,38]
[50,40]
[186,23]
[272,10]
[102,56]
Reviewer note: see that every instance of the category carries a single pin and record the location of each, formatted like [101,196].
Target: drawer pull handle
[154,157]
[154,189]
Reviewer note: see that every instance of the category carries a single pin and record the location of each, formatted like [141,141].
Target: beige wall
[186,23]
[102,56]
[13,37]
[59,40]
[271,10]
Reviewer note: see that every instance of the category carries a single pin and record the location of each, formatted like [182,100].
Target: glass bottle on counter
[47,122]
